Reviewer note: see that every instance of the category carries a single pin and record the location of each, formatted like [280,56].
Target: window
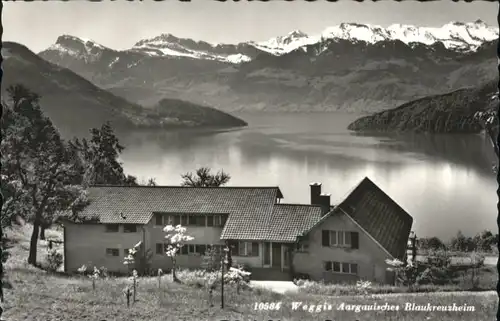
[340,239]
[176,220]
[129,228]
[158,219]
[211,220]
[200,249]
[341,267]
[247,249]
[159,248]
[112,252]
[110,228]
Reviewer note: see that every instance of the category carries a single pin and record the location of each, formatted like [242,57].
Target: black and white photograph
[249,160]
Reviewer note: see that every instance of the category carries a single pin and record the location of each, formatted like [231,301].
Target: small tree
[130,260]
[438,269]
[176,238]
[237,276]
[364,287]
[54,260]
[133,279]
[477,262]
[462,243]
[211,259]
[406,274]
[41,174]
[432,243]
[484,241]
[204,178]
[95,276]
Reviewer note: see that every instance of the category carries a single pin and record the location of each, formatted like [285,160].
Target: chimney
[315,193]
[324,201]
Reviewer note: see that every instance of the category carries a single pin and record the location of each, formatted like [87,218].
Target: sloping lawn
[38,295]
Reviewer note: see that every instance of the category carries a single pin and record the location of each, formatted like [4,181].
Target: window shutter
[255,249]
[355,240]
[326,238]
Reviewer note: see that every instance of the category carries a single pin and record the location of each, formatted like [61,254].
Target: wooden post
[224,262]
[222,283]
[135,289]
[128,297]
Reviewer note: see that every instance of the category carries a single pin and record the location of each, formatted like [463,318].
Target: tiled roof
[376,213]
[388,223]
[290,220]
[248,207]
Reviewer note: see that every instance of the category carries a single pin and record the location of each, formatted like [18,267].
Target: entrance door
[276,250]
[266,252]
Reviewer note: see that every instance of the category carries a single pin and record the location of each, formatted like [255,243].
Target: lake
[444,181]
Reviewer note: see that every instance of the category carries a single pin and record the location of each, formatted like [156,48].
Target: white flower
[168,228]
[82,269]
[394,262]
[364,284]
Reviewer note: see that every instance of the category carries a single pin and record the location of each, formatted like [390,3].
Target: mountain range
[75,105]
[349,67]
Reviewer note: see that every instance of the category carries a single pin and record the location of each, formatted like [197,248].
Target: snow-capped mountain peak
[86,49]
[453,35]
[171,46]
[283,44]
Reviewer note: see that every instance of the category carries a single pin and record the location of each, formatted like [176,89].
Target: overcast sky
[121,24]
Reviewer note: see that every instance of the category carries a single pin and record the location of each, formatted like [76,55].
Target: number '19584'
[266,306]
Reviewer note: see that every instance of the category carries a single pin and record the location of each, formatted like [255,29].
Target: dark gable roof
[290,220]
[376,213]
[247,207]
[388,223]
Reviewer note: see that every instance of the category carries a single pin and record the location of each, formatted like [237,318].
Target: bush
[54,260]
[300,277]
[321,288]
[437,269]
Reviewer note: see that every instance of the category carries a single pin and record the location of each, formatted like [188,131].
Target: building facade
[342,243]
